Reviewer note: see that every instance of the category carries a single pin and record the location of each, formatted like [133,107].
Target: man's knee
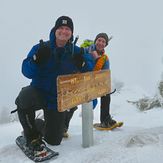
[53,141]
[24,98]
[29,97]
[54,133]
[54,124]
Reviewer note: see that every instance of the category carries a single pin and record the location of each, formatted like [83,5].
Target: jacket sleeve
[106,66]
[89,62]
[29,68]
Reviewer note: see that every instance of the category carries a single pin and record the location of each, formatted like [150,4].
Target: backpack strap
[100,62]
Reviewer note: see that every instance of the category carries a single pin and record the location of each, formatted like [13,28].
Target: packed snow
[139,140]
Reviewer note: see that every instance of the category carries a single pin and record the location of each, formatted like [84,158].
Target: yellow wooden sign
[80,88]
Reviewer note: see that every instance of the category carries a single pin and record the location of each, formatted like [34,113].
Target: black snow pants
[68,117]
[28,101]
[105,109]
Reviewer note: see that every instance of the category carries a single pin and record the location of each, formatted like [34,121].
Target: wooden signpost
[80,88]
[76,89]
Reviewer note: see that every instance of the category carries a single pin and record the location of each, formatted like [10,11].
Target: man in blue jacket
[45,61]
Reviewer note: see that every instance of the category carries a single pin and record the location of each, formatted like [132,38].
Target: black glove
[78,59]
[43,53]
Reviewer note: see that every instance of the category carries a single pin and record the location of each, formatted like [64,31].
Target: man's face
[63,33]
[100,44]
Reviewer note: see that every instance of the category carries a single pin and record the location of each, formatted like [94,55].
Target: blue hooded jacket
[44,76]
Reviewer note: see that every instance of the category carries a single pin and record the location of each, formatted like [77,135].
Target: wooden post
[87,124]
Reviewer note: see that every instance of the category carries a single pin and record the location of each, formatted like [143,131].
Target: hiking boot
[111,122]
[37,147]
[107,124]
[102,125]
[65,133]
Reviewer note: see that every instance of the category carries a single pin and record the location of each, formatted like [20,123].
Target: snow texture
[140,140]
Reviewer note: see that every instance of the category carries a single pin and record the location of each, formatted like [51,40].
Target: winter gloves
[78,59]
[43,54]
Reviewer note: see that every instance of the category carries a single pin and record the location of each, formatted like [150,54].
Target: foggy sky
[135,51]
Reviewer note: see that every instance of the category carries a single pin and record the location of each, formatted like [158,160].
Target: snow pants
[68,117]
[28,101]
[105,108]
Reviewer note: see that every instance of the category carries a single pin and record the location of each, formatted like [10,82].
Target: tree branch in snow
[147,103]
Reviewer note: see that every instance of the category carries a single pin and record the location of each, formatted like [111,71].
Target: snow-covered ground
[140,140]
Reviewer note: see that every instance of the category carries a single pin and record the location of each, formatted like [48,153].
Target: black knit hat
[103,35]
[64,21]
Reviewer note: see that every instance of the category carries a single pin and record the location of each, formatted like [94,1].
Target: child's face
[100,44]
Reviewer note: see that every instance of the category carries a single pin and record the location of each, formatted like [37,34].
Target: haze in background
[135,51]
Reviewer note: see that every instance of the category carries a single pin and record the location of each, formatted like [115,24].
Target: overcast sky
[135,51]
